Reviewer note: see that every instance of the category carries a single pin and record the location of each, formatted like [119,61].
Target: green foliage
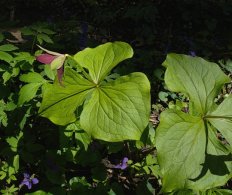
[100,117]
[189,154]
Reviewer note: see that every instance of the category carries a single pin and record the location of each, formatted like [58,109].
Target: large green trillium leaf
[199,79]
[101,60]
[180,142]
[119,109]
[221,118]
[113,110]
[186,160]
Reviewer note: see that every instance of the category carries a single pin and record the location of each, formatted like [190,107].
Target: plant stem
[222,117]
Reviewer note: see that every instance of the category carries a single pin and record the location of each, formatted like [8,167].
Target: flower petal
[26,183]
[35,180]
[50,52]
[60,73]
[29,185]
[45,58]
[26,176]
[125,160]
[122,165]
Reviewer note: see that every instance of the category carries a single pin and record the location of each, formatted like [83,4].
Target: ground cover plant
[103,135]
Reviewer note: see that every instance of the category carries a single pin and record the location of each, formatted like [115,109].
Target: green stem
[222,117]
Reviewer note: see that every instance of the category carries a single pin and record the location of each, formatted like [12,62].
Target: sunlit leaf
[28,92]
[113,110]
[182,153]
[199,79]
[102,59]
[189,153]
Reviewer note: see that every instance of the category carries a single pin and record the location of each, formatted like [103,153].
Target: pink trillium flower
[46,58]
[55,60]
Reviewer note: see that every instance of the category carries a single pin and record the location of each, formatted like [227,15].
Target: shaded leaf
[5,57]
[221,118]
[44,37]
[216,170]
[8,47]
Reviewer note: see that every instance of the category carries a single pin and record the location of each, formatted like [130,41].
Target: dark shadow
[216,164]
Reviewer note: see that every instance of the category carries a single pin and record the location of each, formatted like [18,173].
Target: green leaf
[2,175]
[221,118]
[60,103]
[32,77]
[163,96]
[83,137]
[6,76]
[5,57]
[118,110]
[25,56]
[113,110]
[8,47]
[44,37]
[180,142]
[197,78]
[48,31]
[13,142]
[27,31]
[39,192]
[28,92]
[189,153]
[227,64]
[16,163]
[49,72]
[102,59]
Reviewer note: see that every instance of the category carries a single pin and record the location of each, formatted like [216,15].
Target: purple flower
[192,53]
[122,165]
[28,181]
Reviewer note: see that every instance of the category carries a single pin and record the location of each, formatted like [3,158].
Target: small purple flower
[192,53]
[28,181]
[122,165]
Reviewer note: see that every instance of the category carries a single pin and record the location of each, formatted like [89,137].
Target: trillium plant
[112,109]
[190,154]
